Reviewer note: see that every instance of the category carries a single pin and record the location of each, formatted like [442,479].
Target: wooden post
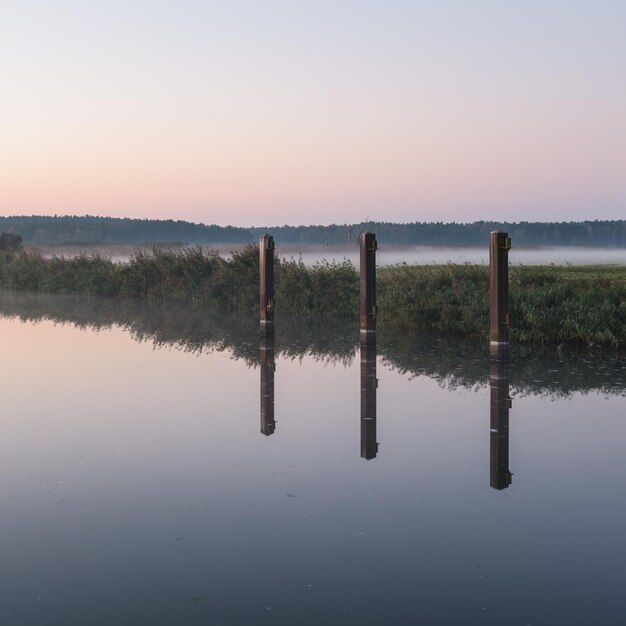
[367,300]
[268,367]
[369,384]
[500,475]
[499,246]
[266,284]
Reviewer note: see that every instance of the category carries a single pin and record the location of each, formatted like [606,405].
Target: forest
[93,230]
[597,233]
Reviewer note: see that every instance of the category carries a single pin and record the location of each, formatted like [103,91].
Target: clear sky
[265,112]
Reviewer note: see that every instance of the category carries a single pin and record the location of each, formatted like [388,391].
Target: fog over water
[426,255]
[388,255]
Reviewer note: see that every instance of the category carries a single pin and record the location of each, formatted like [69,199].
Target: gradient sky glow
[300,111]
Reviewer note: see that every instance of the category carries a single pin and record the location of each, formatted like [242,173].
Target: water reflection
[453,363]
[118,465]
[499,412]
[267,367]
[369,384]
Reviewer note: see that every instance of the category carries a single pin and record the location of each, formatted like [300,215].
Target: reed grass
[560,305]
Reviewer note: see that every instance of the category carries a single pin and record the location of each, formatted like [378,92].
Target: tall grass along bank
[562,305]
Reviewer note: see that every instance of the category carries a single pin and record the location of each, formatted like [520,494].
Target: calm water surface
[159,472]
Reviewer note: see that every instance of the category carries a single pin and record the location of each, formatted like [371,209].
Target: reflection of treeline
[452,363]
[102,230]
[575,305]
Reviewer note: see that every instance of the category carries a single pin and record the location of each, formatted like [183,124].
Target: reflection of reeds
[533,370]
[453,363]
[561,305]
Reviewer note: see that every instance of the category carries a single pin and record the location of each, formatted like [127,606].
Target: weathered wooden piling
[266,284]
[499,322]
[500,404]
[367,299]
[268,367]
[369,384]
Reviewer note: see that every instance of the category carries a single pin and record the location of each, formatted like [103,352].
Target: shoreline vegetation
[579,306]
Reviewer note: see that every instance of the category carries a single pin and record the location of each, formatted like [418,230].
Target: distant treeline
[610,234]
[90,230]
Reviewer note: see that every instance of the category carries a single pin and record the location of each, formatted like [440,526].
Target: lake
[164,466]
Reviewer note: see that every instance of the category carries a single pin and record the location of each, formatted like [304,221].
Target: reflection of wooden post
[266,284]
[367,300]
[499,246]
[369,383]
[499,437]
[268,423]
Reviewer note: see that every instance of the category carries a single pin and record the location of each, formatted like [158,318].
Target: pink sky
[335,112]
